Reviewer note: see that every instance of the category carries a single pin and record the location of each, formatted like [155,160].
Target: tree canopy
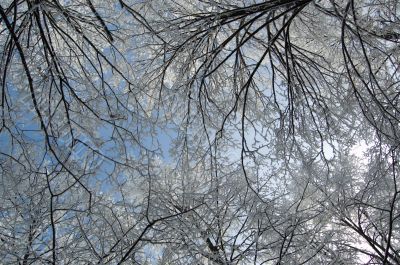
[199,132]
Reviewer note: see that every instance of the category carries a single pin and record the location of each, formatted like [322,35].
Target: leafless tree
[205,132]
